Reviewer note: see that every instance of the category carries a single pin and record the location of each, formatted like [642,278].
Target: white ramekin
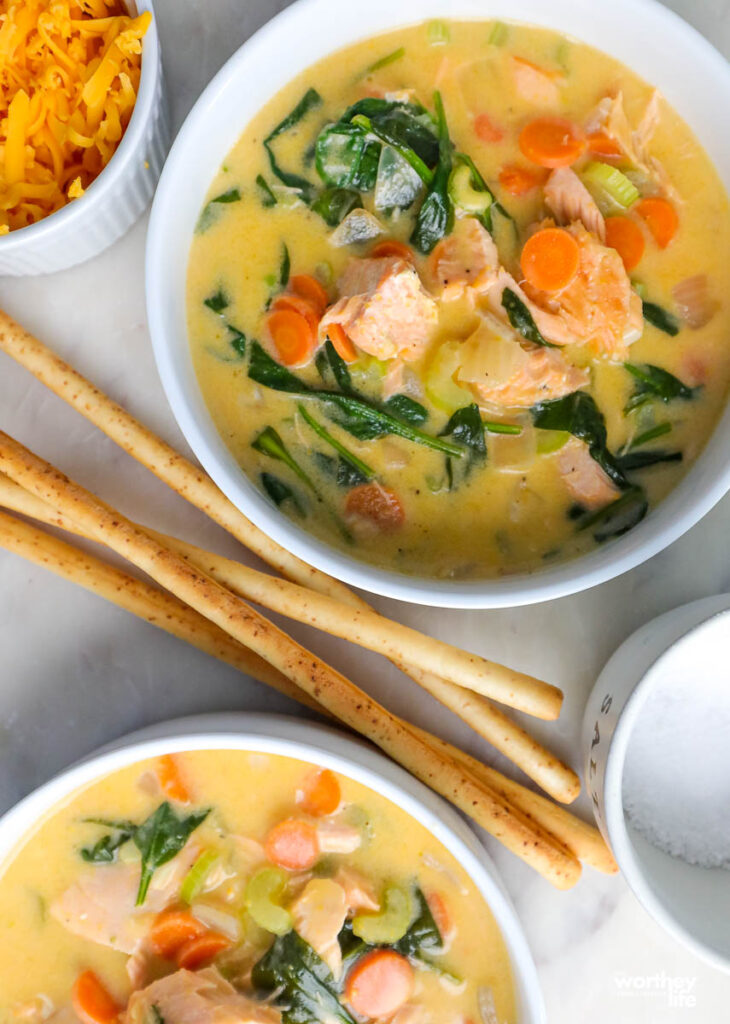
[321,745]
[692,75]
[113,201]
[691,903]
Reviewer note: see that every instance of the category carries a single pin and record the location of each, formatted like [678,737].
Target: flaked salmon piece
[383,309]
[202,997]
[599,307]
[610,118]
[537,85]
[504,372]
[334,837]
[467,259]
[569,200]
[318,915]
[100,905]
[584,478]
[359,893]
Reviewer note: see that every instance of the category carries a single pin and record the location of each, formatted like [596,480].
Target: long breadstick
[516,744]
[173,469]
[337,694]
[161,609]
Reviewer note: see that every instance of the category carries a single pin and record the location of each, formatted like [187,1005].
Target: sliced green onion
[549,441]
[661,318]
[498,35]
[439,33]
[492,427]
[650,435]
[612,181]
[194,881]
[383,62]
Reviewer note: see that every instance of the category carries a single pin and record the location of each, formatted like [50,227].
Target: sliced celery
[549,441]
[441,388]
[438,33]
[263,893]
[612,181]
[194,881]
[391,923]
[499,33]
[464,195]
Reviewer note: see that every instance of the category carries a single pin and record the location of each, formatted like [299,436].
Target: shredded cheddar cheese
[69,75]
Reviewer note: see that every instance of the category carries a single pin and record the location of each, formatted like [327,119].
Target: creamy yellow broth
[248,794]
[515,514]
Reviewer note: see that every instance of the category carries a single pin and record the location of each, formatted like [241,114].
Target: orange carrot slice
[550,259]
[293,336]
[201,951]
[392,247]
[440,913]
[311,289]
[343,345]
[320,794]
[302,306]
[171,780]
[171,930]
[600,144]
[625,236]
[661,219]
[91,1001]
[486,130]
[292,844]
[518,181]
[551,141]
[376,503]
[379,983]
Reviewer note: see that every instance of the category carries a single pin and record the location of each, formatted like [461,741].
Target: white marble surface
[75,672]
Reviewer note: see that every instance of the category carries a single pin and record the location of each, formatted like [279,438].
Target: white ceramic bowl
[695,80]
[113,201]
[320,745]
[692,903]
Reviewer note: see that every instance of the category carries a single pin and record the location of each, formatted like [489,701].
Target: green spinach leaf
[308,102]
[160,838]
[267,197]
[302,982]
[218,301]
[578,414]
[661,318]
[619,517]
[105,850]
[521,319]
[466,427]
[384,62]
[636,460]
[279,492]
[355,463]
[653,383]
[435,218]
[334,204]
[407,409]
[268,442]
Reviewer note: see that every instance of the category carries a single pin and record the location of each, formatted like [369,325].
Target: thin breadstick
[176,471]
[582,839]
[337,694]
[489,722]
[161,609]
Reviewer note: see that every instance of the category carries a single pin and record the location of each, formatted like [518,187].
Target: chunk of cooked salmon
[202,997]
[100,905]
[539,86]
[359,892]
[383,308]
[610,118]
[599,307]
[584,478]
[465,261]
[334,837]
[319,913]
[501,370]
[569,200]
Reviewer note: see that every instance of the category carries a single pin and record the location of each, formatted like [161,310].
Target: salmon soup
[246,888]
[457,299]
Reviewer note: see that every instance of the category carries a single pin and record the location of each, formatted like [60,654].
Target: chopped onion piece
[358,226]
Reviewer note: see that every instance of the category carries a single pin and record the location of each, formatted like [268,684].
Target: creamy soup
[246,888]
[457,299]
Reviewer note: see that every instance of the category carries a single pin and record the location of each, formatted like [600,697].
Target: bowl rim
[97,191]
[681,509]
[312,743]
[616,827]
